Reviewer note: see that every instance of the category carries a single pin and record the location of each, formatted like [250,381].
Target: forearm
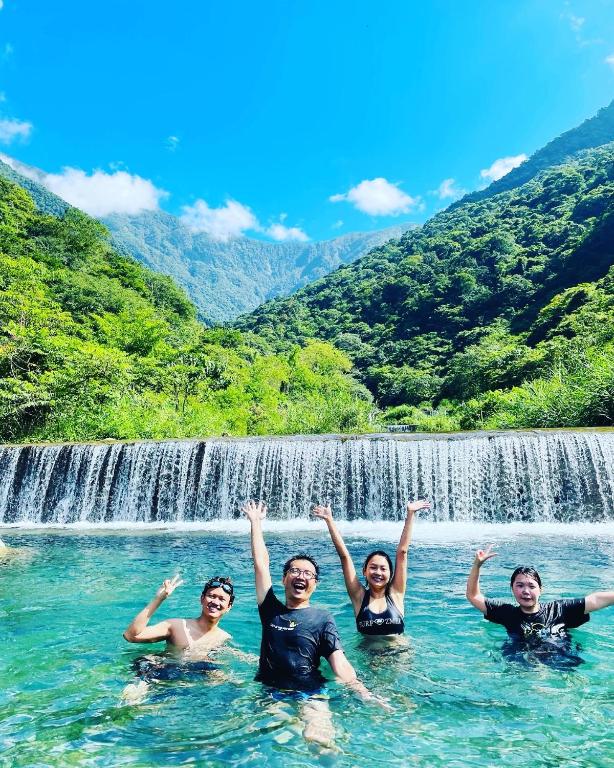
[406,534]
[598,600]
[260,553]
[337,540]
[140,621]
[473,591]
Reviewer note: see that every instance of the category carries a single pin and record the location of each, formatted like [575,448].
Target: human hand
[416,506]
[169,586]
[381,702]
[254,510]
[482,555]
[324,513]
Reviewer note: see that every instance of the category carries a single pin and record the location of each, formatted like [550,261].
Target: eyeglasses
[215,583]
[301,572]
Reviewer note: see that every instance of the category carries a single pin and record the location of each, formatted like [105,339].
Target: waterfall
[491,477]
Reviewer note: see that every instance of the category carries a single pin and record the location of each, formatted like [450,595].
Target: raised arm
[255,513]
[399,581]
[598,600]
[138,631]
[354,588]
[474,594]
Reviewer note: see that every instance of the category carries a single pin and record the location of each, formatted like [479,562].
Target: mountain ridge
[223,279]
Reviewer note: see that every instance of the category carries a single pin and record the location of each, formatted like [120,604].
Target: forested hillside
[594,132]
[497,312]
[94,345]
[224,279]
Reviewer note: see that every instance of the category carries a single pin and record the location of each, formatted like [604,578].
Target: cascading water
[490,477]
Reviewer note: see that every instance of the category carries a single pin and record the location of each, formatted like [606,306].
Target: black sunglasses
[214,583]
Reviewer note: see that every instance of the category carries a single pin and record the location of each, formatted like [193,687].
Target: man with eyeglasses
[194,636]
[295,635]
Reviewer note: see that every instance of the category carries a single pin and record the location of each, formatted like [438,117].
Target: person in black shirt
[296,636]
[538,624]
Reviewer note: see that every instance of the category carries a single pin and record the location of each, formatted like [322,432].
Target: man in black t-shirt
[551,620]
[295,635]
[293,642]
[531,620]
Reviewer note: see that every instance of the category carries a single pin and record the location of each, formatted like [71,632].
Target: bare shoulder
[223,636]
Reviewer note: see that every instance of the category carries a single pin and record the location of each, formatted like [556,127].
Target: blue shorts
[289,694]
[163,668]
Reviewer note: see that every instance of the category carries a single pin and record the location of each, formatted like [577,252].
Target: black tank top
[389,622]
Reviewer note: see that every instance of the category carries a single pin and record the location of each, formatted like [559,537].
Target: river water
[458,700]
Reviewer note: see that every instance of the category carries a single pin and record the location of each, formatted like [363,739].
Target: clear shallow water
[459,701]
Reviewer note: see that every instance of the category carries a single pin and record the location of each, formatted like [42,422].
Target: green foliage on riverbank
[94,345]
[496,313]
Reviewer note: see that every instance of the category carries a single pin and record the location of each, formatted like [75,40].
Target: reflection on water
[462,695]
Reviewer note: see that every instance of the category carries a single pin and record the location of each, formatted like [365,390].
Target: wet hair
[223,580]
[526,570]
[302,556]
[381,553]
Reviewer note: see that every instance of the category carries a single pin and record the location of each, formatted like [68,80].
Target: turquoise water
[66,600]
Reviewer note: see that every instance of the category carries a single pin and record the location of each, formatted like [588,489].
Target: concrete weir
[565,476]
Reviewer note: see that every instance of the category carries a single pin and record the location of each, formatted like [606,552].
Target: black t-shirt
[551,621]
[293,642]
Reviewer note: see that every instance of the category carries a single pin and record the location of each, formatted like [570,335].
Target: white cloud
[1,5]
[172,142]
[610,59]
[99,194]
[281,233]
[501,167]
[104,193]
[338,224]
[14,129]
[223,223]
[378,197]
[448,191]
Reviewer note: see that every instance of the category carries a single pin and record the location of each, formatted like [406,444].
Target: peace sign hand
[169,586]
[482,555]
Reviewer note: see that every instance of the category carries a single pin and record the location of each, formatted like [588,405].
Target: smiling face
[526,590]
[215,603]
[300,580]
[377,572]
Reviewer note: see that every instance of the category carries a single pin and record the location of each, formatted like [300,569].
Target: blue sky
[285,119]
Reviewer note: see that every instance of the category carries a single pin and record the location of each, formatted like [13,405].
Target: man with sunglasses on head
[295,635]
[195,637]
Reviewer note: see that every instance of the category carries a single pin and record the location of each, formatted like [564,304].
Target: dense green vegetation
[496,313]
[224,279]
[94,345]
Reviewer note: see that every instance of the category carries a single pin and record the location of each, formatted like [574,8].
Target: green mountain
[223,279]
[594,132]
[95,345]
[498,311]
[45,201]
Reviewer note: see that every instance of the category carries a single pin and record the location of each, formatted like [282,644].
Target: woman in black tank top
[378,607]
